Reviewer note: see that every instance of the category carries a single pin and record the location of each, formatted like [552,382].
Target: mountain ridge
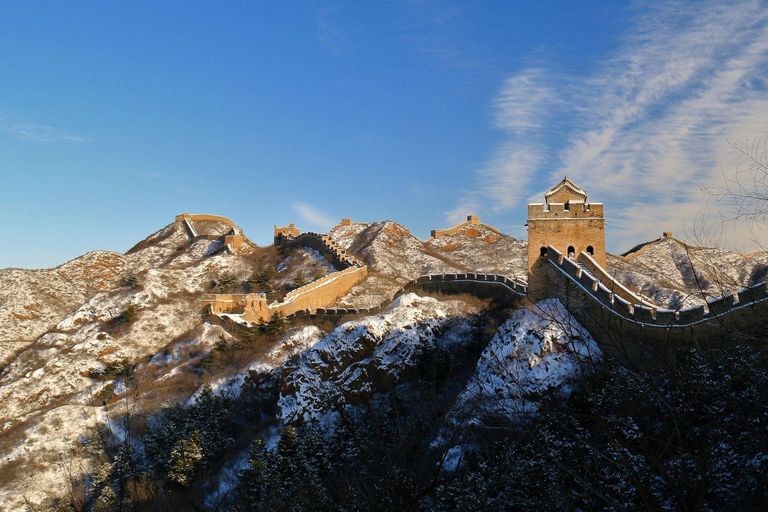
[77,328]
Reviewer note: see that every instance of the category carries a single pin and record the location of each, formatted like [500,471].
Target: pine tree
[268,290]
[299,280]
[185,459]
[276,324]
[253,480]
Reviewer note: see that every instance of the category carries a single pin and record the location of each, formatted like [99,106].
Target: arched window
[543,251]
[567,206]
[571,251]
[590,250]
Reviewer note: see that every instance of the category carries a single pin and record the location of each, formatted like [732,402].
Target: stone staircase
[585,270]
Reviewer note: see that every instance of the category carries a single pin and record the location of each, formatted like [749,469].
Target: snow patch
[540,349]
[356,355]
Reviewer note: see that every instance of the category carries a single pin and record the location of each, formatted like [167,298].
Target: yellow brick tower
[567,222]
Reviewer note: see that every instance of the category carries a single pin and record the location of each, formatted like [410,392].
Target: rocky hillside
[33,301]
[677,275]
[73,335]
[395,256]
[87,342]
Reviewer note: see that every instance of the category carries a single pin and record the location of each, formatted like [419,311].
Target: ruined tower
[567,222]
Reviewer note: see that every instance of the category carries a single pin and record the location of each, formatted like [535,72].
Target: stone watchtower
[567,222]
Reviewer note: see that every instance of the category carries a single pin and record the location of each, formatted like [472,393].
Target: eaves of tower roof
[568,184]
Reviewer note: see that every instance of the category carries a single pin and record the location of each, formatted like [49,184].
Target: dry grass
[107,351]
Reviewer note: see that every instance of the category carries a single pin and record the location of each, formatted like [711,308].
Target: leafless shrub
[744,194]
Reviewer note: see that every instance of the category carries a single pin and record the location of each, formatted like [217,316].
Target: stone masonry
[567,222]
[233,240]
[319,294]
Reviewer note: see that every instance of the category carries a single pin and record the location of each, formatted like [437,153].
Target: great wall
[472,220]
[319,294]
[233,240]
[566,260]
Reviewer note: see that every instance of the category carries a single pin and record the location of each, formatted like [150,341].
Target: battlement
[203,217]
[607,279]
[253,307]
[568,210]
[234,304]
[567,222]
[625,304]
[318,294]
[472,220]
[289,231]
[327,246]
[233,240]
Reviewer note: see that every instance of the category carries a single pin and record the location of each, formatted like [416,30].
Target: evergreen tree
[268,291]
[185,459]
[299,280]
[290,477]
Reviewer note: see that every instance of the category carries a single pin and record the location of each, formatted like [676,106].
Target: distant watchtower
[567,222]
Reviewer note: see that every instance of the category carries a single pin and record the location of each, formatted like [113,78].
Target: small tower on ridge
[567,222]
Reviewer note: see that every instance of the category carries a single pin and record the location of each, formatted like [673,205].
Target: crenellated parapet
[286,232]
[252,304]
[319,294]
[326,245]
[588,263]
[204,217]
[322,293]
[472,220]
[303,303]
[481,285]
[568,222]
[625,304]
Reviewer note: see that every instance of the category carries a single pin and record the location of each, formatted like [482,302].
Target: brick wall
[576,225]
[472,220]
[202,217]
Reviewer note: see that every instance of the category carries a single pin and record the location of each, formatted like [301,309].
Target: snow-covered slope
[92,332]
[68,333]
[664,271]
[33,301]
[540,349]
[479,249]
[390,249]
[395,256]
[367,355]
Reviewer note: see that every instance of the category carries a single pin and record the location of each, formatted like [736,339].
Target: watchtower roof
[565,191]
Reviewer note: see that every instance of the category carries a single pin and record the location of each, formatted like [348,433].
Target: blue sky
[114,117]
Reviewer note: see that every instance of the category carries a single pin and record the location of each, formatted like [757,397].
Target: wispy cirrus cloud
[649,127]
[39,133]
[329,33]
[314,217]
[523,107]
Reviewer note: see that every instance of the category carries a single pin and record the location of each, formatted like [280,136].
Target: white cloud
[524,101]
[647,129]
[41,133]
[460,213]
[329,34]
[313,217]
[524,105]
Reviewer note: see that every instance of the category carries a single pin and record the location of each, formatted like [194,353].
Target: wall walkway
[327,246]
[609,310]
[652,316]
[639,334]
[233,240]
[314,296]
[484,286]
[610,282]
